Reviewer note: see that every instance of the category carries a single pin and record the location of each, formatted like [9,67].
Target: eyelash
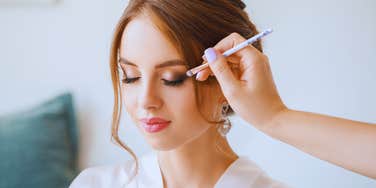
[173,83]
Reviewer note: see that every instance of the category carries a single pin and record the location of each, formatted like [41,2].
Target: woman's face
[155,86]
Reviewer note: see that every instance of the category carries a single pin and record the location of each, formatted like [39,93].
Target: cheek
[181,101]
[129,101]
[188,122]
[208,101]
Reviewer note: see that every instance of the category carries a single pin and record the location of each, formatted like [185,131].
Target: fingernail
[199,76]
[210,55]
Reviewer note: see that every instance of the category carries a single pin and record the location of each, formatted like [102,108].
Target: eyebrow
[174,62]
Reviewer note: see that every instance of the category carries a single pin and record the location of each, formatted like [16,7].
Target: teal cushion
[38,147]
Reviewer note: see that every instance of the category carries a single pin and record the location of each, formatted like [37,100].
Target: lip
[155,124]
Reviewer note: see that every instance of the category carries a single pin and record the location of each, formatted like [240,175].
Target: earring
[224,128]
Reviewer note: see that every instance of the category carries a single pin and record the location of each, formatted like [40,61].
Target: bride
[184,121]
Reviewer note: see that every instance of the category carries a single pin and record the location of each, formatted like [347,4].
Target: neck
[199,163]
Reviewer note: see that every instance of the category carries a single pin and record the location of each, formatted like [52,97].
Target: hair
[192,26]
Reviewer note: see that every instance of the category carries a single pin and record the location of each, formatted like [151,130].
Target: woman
[184,121]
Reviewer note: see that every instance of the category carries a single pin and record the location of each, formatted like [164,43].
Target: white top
[240,174]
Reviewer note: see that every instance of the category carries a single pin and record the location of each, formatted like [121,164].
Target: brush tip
[189,73]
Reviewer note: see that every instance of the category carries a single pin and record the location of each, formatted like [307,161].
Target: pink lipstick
[155,124]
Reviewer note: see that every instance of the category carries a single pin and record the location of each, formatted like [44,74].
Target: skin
[346,143]
[186,148]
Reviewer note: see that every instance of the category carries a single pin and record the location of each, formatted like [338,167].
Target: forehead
[143,42]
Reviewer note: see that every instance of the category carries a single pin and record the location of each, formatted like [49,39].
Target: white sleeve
[264,181]
[88,178]
[102,177]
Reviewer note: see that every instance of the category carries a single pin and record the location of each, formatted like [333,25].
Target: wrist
[275,119]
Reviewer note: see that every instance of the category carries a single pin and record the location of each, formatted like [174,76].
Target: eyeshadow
[176,76]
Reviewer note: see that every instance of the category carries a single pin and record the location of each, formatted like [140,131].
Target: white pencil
[231,51]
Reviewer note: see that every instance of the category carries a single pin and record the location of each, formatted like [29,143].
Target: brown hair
[192,26]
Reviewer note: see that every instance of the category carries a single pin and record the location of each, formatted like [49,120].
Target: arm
[346,143]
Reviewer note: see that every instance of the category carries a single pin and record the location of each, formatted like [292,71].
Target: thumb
[220,68]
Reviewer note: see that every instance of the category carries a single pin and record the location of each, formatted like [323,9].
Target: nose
[149,98]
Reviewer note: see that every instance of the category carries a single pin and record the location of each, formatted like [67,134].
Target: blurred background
[322,53]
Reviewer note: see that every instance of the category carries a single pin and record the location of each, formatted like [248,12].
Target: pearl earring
[224,128]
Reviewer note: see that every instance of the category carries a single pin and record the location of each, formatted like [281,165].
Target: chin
[160,141]
[163,144]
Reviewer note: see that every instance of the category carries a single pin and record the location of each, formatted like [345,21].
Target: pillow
[38,147]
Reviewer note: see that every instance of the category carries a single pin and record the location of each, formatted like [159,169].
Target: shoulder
[121,175]
[104,176]
[246,173]
[259,179]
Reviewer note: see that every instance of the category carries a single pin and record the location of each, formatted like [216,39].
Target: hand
[246,81]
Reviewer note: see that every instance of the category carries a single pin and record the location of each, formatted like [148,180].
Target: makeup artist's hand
[252,94]
[246,81]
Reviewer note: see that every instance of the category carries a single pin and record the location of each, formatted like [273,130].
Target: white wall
[322,55]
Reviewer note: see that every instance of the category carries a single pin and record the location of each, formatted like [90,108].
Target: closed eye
[130,80]
[172,83]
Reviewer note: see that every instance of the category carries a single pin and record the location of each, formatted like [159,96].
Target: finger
[203,74]
[221,70]
[231,41]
